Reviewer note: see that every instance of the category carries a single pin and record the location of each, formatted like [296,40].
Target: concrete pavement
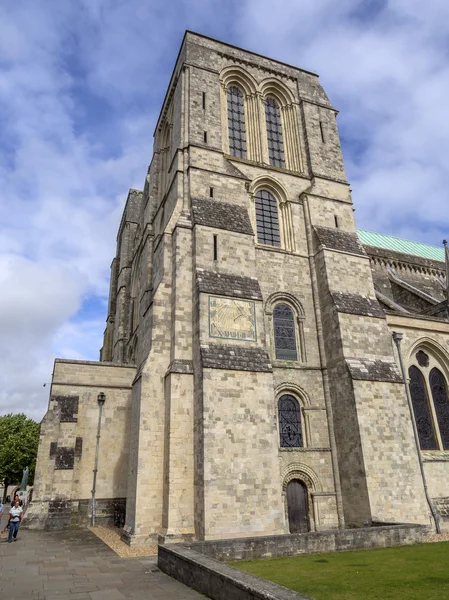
[76,565]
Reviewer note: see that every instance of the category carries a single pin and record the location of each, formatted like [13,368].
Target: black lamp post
[101,400]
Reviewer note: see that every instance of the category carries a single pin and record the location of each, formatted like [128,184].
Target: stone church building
[251,383]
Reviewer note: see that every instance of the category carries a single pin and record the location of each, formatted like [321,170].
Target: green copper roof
[399,245]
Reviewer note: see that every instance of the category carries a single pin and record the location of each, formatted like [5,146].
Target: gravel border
[111,537]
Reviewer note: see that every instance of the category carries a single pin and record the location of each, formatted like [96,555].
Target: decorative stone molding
[406,262]
[432,347]
[289,387]
[277,297]
[255,120]
[303,472]
[290,119]
[294,303]
[235,75]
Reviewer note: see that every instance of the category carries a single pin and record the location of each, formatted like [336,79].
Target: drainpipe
[101,399]
[397,337]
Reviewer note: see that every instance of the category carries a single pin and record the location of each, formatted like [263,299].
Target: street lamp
[101,398]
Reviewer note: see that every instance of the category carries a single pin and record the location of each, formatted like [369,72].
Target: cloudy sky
[81,83]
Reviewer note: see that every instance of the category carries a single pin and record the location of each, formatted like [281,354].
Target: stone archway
[308,484]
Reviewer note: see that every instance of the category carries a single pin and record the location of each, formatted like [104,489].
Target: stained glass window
[236,122]
[422,359]
[438,387]
[290,428]
[267,219]
[274,133]
[284,333]
[421,409]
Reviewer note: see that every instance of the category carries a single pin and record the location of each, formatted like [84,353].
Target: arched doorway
[297,506]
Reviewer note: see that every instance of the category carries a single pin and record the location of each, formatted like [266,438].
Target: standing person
[15,519]
[16,497]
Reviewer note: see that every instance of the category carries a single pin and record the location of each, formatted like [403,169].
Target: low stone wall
[197,566]
[316,542]
[216,580]
[64,514]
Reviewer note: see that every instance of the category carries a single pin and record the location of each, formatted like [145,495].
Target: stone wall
[197,566]
[216,580]
[191,425]
[66,454]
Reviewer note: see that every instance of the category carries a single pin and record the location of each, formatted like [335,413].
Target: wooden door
[297,507]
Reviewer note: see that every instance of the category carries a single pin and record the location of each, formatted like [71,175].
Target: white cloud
[80,89]
[384,66]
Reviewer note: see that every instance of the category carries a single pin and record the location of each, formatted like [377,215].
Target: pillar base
[153,539]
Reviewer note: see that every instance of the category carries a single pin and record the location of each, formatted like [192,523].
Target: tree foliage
[19,440]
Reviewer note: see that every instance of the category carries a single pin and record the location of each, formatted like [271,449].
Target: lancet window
[236,122]
[290,422]
[274,133]
[284,333]
[267,218]
[430,400]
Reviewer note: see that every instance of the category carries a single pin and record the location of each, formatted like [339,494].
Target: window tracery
[438,387]
[421,409]
[430,400]
[290,422]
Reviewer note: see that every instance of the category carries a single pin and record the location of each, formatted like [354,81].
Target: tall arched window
[267,218]
[429,392]
[284,333]
[421,409]
[236,122]
[438,387]
[290,426]
[274,133]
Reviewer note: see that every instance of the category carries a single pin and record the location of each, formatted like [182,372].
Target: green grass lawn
[405,573]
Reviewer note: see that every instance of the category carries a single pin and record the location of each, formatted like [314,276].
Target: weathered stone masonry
[212,328]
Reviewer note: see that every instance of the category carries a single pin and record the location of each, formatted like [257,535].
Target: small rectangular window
[215,247]
[205,137]
[322,131]
[211,192]
[204,100]
[336,221]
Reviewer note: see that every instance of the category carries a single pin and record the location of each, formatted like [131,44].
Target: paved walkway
[76,565]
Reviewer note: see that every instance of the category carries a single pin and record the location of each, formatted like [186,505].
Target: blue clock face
[232,319]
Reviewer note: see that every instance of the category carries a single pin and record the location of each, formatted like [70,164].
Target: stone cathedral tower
[250,379]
